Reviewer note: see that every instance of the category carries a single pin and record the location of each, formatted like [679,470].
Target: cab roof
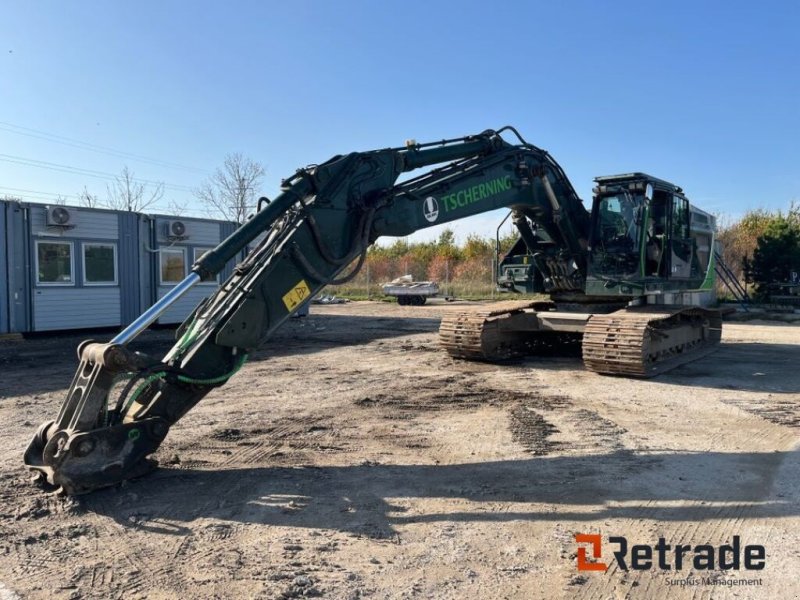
[637,177]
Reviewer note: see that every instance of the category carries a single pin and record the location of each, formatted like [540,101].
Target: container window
[173,265]
[99,264]
[54,263]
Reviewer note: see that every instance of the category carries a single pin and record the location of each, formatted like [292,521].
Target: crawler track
[644,343]
[634,342]
[487,334]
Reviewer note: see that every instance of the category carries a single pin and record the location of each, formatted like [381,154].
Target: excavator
[632,278]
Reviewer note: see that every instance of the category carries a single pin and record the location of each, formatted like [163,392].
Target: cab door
[681,246]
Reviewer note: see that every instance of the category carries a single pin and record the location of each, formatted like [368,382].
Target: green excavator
[633,279]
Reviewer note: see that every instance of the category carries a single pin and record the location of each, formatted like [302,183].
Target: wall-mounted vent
[59,216]
[175,230]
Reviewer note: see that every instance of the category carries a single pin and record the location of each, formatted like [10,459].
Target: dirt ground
[351,458]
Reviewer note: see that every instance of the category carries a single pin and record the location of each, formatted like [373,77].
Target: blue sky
[705,94]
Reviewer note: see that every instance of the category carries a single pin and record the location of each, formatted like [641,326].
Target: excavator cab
[644,238]
[619,227]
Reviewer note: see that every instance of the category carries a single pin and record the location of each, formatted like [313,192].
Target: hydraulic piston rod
[155,311]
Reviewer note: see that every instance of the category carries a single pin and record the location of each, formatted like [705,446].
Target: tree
[128,193]
[478,247]
[740,238]
[446,245]
[232,190]
[447,239]
[439,268]
[87,199]
[777,254]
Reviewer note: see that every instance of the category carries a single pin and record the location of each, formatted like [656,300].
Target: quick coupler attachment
[80,451]
[79,462]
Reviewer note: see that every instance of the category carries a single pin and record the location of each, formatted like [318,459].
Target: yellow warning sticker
[295,296]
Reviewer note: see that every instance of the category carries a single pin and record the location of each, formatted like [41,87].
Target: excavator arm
[121,403]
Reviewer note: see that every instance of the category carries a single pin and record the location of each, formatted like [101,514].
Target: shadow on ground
[47,363]
[747,366]
[372,500]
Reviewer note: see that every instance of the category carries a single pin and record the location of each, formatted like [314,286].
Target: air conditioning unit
[175,230]
[58,216]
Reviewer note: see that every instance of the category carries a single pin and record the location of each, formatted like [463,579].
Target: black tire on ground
[402,300]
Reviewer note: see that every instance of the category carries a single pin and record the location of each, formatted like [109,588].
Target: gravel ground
[351,458]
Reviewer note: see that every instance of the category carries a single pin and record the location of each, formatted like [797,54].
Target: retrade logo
[584,564]
[430,209]
[667,557]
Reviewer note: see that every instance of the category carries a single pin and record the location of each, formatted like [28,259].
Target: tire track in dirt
[532,431]
[600,434]
[718,524]
[286,438]
[783,411]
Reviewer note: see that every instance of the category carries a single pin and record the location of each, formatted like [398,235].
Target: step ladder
[729,279]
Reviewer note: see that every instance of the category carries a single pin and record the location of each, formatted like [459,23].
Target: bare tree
[87,199]
[128,193]
[177,208]
[232,190]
